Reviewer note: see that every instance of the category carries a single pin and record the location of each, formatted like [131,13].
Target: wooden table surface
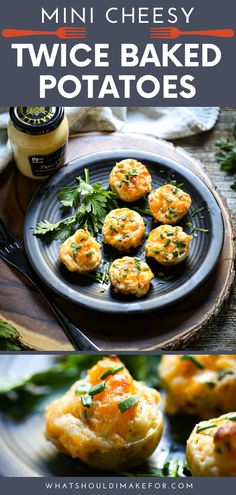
[220,334]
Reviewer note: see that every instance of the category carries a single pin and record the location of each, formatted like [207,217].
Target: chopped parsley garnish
[162,236]
[128,403]
[175,254]
[89,254]
[194,360]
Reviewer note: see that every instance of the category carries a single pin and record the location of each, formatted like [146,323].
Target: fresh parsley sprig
[226,157]
[91,203]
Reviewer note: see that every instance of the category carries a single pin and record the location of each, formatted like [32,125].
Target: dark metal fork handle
[75,335]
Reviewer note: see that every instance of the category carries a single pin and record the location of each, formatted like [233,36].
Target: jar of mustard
[39,137]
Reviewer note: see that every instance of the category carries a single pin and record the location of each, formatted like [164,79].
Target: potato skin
[168,245]
[130,180]
[130,276]
[212,452]
[80,252]
[168,204]
[101,435]
[123,229]
[205,392]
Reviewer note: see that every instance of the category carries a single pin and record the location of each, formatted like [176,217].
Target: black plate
[24,450]
[204,252]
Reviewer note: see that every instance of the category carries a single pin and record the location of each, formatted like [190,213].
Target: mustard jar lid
[36,120]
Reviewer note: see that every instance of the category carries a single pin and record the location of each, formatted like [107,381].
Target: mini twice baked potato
[81,252]
[123,229]
[168,204]
[107,419]
[168,245]
[211,447]
[130,276]
[204,385]
[130,180]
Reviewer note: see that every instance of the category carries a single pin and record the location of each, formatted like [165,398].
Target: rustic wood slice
[24,307]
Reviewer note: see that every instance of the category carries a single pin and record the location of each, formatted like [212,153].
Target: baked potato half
[107,419]
[211,447]
[204,385]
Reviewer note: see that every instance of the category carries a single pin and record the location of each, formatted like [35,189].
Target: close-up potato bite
[81,252]
[168,204]
[211,447]
[168,245]
[203,385]
[130,276]
[123,229]
[107,419]
[130,180]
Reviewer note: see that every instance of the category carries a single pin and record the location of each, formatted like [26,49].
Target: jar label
[44,165]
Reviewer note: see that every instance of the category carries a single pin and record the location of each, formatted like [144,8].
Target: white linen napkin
[160,122]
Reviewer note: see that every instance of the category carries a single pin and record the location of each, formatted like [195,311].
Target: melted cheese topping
[169,204]
[212,451]
[130,180]
[130,276]
[123,229]
[206,392]
[81,252]
[168,245]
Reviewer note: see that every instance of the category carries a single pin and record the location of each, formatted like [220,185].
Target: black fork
[12,252]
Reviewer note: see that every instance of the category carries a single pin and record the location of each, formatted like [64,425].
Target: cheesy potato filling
[204,385]
[81,252]
[130,180]
[211,447]
[169,204]
[130,276]
[168,245]
[123,229]
[105,417]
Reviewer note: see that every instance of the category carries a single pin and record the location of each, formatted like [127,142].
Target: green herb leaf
[203,428]
[82,388]
[91,204]
[167,243]
[10,338]
[97,389]
[112,371]
[197,210]
[87,401]
[231,416]
[194,360]
[128,403]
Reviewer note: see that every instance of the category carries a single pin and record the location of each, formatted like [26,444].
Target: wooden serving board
[21,304]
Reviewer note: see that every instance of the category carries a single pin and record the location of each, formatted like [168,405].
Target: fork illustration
[61,32]
[174,32]
[12,252]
